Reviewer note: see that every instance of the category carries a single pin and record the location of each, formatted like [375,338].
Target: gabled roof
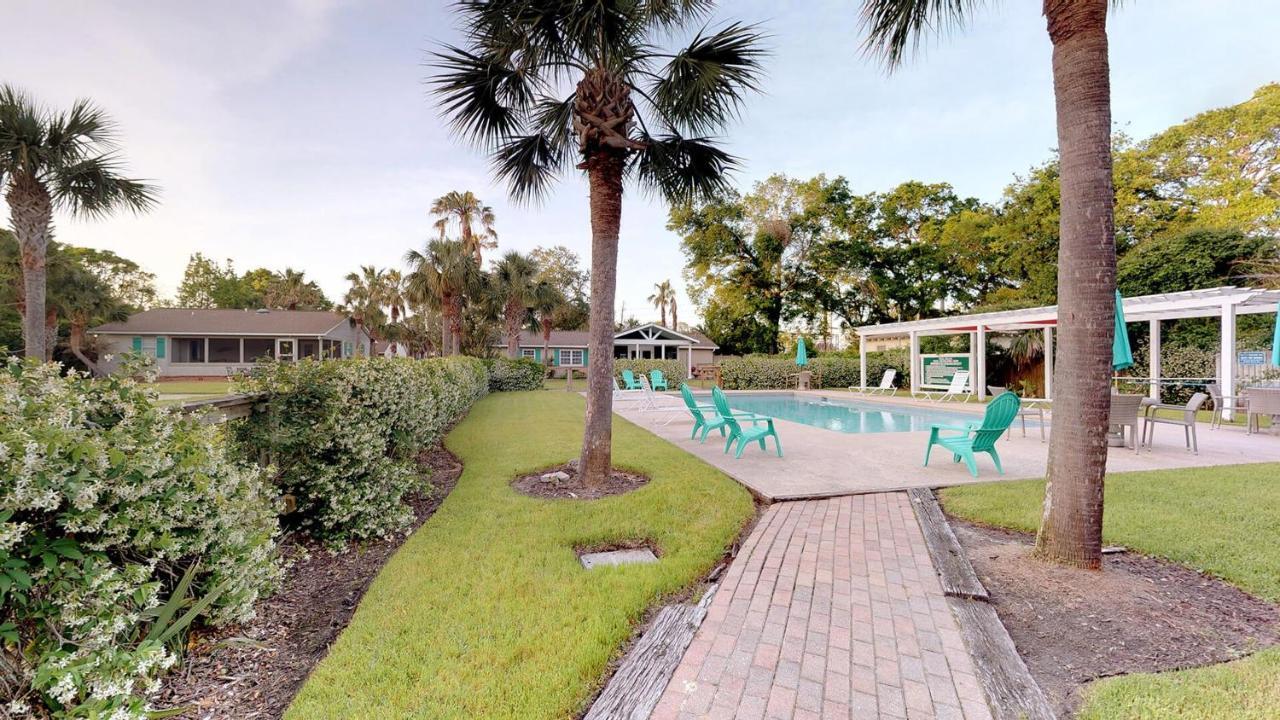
[193,321]
[580,338]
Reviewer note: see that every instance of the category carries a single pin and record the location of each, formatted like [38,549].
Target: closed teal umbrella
[802,355]
[1121,354]
[1275,339]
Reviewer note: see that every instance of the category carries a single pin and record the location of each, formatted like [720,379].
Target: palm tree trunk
[546,342]
[604,171]
[513,313]
[446,310]
[455,326]
[675,322]
[1071,524]
[50,332]
[31,214]
[664,315]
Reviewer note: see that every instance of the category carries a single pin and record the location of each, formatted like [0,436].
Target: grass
[486,612]
[1224,521]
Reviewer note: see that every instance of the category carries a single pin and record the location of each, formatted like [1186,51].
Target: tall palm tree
[515,285]
[442,276]
[549,309]
[287,289]
[549,85]
[465,209]
[364,297]
[663,297]
[57,161]
[1071,524]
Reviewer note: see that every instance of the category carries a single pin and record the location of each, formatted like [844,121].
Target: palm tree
[287,289]
[1071,524]
[663,297]
[549,309]
[500,91]
[56,161]
[442,276]
[515,286]
[465,208]
[364,297]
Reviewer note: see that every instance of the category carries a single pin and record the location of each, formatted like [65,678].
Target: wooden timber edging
[634,690]
[1012,694]
[224,407]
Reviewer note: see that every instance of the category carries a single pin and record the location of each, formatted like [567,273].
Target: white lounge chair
[886,384]
[651,401]
[959,386]
[619,394]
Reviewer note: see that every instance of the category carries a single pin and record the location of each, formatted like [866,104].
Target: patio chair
[744,434]
[629,380]
[1126,411]
[619,394]
[959,386]
[657,380]
[976,437]
[886,384]
[1239,403]
[1263,402]
[700,419]
[1025,411]
[1187,421]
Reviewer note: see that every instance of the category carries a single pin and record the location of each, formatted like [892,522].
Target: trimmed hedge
[507,375]
[674,371]
[106,498]
[771,372]
[342,435]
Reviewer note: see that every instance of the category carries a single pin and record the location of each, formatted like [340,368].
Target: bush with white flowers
[107,499]
[343,436]
[507,375]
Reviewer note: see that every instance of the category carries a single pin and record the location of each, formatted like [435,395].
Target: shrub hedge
[770,372]
[106,498]
[674,371]
[507,375]
[342,436]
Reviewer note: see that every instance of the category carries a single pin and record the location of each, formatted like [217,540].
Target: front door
[285,351]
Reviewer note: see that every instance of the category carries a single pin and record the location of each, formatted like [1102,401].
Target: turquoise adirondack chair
[657,380]
[699,413]
[977,437]
[629,379]
[744,434]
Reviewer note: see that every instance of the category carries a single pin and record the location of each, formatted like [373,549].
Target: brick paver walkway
[831,610]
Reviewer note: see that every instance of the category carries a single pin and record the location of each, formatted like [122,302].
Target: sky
[301,133]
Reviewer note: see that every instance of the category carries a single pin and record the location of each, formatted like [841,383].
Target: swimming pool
[841,415]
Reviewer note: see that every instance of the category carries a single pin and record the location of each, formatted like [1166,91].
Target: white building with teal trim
[568,348]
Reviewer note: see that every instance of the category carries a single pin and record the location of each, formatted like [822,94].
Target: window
[308,348]
[285,350]
[259,349]
[529,353]
[224,350]
[571,358]
[188,350]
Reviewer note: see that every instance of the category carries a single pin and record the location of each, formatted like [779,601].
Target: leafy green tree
[1071,527]
[548,84]
[132,286]
[57,161]
[1191,260]
[561,268]
[206,284]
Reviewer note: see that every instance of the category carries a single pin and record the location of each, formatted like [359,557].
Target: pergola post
[1048,362]
[862,361]
[915,362]
[1227,364]
[1154,390]
[979,376]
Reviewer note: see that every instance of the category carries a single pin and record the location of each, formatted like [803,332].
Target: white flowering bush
[507,375]
[106,500]
[342,436]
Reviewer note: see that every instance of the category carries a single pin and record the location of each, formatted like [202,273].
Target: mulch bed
[254,670]
[1139,614]
[572,487]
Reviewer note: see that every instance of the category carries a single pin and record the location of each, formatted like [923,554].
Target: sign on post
[936,371]
[1253,357]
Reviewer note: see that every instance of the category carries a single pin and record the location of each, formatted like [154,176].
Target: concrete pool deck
[820,463]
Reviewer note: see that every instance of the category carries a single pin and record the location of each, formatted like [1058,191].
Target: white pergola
[1225,302]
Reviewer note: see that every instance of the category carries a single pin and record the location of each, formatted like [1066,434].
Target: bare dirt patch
[254,670]
[1139,614]
[563,482]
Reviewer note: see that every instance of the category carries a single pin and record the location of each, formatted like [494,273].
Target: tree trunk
[604,172]
[455,326]
[76,342]
[513,313]
[31,214]
[1071,523]
[546,342]
[675,322]
[446,313]
[50,331]
[664,315]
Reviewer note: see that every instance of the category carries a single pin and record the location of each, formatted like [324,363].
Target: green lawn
[1224,521]
[486,612]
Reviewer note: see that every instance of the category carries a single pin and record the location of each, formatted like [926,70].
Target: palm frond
[529,164]
[94,187]
[671,14]
[480,94]
[895,27]
[704,85]
[683,169]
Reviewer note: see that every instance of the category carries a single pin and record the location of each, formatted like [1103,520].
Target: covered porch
[654,342]
[1226,303]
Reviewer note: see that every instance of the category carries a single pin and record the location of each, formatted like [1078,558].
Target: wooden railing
[225,407]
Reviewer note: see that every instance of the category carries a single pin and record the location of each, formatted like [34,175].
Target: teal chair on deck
[744,434]
[700,420]
[977,437]
[657,380]
[629,379]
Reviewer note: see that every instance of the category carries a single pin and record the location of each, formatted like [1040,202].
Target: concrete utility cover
[618,557]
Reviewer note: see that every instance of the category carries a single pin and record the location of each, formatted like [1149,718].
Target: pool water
[849,416]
